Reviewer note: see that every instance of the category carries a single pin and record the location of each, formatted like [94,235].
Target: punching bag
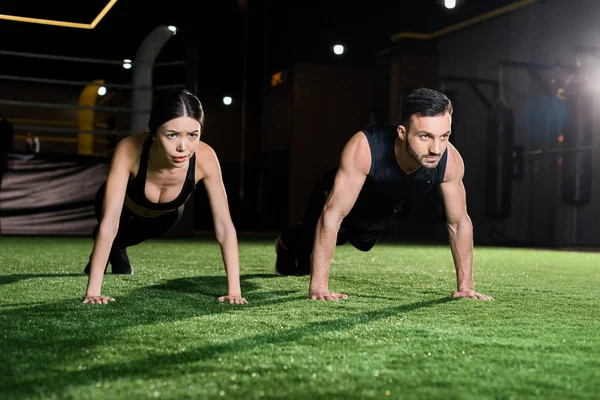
[499,160]
[577,162]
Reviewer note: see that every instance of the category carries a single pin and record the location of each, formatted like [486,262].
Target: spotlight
[449,4]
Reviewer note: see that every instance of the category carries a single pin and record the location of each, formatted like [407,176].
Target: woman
[151,176]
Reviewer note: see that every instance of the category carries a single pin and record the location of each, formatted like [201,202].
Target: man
[380,167]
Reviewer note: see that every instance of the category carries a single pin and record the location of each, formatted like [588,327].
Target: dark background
[275,141]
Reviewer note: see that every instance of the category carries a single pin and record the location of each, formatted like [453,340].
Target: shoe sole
[122,273]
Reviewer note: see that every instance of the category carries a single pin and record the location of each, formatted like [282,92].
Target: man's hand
[97,299]
[232,299]
[326,295]
[471,294]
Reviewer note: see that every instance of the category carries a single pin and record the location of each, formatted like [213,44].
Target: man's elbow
[456,226]
[331,219]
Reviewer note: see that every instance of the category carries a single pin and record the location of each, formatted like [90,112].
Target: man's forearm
[461,244]
[323,248]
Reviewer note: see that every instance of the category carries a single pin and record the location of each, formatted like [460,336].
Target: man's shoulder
[357,152]
[454,164]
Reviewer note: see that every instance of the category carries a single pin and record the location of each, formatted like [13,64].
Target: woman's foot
[120,262]
[86,271]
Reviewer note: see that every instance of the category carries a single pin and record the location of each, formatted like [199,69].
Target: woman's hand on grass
[97,299]
[232,299]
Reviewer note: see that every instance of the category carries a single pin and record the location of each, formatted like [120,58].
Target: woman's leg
[134,230]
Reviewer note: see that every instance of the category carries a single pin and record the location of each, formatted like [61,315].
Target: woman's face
[178,139]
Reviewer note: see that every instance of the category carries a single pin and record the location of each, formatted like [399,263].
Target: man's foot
[289,262]
[120,262]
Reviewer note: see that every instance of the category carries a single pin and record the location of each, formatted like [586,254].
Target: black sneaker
[302,264]
[289,263]
[86,270]
[120,262]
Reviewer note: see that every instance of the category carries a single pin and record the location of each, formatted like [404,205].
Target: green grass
[399,335]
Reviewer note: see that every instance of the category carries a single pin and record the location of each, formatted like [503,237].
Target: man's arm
[460,228]
[355,163]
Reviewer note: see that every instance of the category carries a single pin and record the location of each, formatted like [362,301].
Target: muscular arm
[460,228]
[116,184]
[355,163]
[225,231]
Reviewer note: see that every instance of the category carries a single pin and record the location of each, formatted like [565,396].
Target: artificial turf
[399,335]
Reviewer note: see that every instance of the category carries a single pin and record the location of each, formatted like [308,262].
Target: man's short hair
[424,102]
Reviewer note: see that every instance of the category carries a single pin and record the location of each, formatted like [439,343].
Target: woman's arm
[225,231]
[125,154]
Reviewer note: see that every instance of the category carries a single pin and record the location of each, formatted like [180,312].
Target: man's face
[427,139]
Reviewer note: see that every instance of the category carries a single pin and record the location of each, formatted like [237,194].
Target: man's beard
[413,154]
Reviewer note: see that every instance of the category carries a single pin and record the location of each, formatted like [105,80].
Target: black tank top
[135,197]
[387,185]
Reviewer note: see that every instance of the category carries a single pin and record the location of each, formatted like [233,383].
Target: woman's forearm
[229,251]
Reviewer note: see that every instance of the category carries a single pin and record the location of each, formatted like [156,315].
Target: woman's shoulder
[206,160]
[137,139]
[129,149]
[132,144]
[204,152]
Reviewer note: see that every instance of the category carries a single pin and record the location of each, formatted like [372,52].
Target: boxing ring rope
[129,102]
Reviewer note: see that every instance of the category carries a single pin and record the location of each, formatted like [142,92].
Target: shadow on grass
[14,278]
[39,335]
[69,340]
[204,286]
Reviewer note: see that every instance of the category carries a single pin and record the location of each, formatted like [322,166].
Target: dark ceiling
[279,31]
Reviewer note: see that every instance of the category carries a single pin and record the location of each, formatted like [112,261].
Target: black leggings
[134,229]
[363,233]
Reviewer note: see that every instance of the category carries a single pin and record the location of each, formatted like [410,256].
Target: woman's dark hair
[424,102]
[174,103]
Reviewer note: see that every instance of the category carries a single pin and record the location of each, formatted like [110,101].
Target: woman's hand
[232,299]
[97,299]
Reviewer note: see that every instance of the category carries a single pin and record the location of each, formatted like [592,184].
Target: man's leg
[364,234]
[293,248]
[294,245]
